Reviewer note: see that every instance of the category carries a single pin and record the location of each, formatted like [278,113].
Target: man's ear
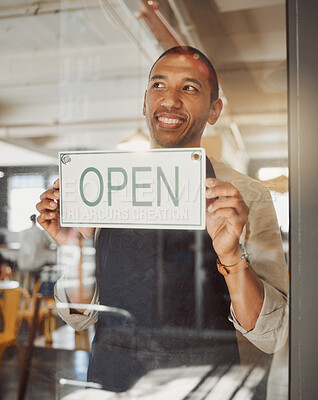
[215,111]
[144,106]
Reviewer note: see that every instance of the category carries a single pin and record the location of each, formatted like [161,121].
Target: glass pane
[166,322]
[24,191]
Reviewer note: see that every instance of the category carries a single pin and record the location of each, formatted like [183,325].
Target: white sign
[157,189]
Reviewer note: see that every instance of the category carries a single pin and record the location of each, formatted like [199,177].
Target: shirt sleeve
[262,240]
[77,321]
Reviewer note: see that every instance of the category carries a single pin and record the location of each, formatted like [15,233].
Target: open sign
[158,189]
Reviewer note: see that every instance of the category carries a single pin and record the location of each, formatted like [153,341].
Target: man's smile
[169,121]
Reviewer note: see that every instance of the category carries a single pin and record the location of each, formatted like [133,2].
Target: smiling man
[181,98]
[243,259]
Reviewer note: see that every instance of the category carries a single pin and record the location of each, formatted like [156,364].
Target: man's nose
[171,100]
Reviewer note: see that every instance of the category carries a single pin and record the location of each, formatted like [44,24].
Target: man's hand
[49,218]
[227,215]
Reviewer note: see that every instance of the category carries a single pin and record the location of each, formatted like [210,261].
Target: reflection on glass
[162,329]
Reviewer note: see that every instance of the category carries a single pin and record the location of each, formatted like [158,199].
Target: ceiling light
[277,79]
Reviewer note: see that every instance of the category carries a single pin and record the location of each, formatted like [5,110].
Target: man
[181,97]
[7,267]
[33,253]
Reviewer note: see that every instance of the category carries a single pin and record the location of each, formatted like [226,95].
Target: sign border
[123,225]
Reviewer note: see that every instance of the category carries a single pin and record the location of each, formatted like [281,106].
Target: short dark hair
[2,260]
[11,263]
[33,218]
[188,50]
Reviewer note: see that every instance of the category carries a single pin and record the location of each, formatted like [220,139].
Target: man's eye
[158,85]
[190,88]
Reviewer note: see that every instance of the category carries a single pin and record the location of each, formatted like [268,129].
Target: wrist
[231,258]
[239,265]
[226,270]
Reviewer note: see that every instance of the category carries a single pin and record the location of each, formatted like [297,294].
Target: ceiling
[72,77]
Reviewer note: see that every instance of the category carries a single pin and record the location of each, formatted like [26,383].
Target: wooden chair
[11,304]
[28,312]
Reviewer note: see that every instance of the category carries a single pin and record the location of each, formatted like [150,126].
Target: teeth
[171,121]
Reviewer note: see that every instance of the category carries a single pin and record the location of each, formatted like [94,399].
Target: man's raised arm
[257,285]
[49,219]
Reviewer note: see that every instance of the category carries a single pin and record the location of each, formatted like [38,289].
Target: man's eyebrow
[154,77]
[193,80]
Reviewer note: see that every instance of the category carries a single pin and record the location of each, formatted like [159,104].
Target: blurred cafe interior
[73,77]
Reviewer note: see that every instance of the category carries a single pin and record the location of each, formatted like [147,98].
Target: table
[5,285]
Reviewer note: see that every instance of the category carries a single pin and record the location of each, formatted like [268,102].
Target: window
[24,192]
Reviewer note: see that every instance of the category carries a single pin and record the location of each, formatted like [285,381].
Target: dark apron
[150,273]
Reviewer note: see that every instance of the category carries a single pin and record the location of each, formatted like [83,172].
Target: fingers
[47,204]
[226,202]
[50,194]
[230,216]
[45,219]
[48,216]
[56,184]
[235,203]
[48,207]
[218,188]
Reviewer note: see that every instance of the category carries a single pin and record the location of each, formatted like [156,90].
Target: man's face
[177,103]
